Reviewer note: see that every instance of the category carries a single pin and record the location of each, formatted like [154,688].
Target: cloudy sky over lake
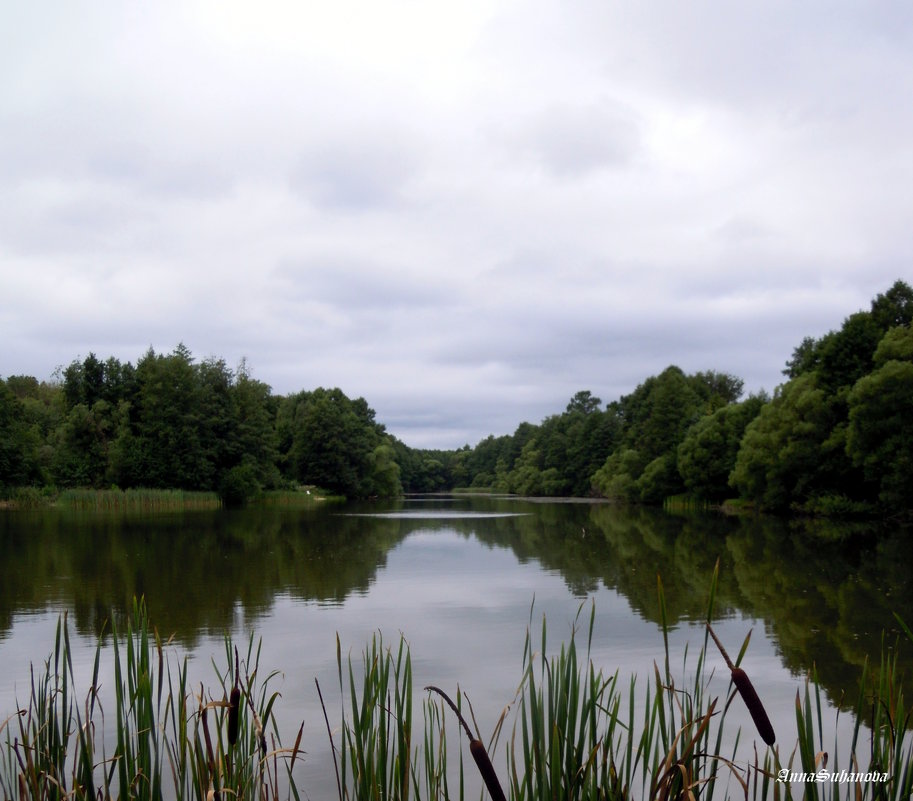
[464,212]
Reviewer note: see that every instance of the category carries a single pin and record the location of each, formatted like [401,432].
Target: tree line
[172,422]
[835,438]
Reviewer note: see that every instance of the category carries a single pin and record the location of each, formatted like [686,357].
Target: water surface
[461,579]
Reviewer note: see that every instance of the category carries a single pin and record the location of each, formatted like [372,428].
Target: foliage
[335,442]
[654,421]
[838,428]
[239,485]
[880,436]
[781,449]
[617,478]
[707,454]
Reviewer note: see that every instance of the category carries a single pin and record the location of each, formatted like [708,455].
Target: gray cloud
[464,214]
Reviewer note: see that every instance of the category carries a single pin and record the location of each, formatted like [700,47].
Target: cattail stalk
[749,696]
[477,749]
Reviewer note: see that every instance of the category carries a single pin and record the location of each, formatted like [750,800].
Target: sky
[464,212]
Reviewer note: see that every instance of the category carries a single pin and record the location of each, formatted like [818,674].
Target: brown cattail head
[233,708]
[479,754]
[755,707]
[483,763]
[749,696]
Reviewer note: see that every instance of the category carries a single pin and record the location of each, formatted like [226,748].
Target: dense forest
[836,438]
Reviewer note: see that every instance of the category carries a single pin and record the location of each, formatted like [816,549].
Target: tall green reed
[166,740]
[376,750]
[137,500]
[878,761]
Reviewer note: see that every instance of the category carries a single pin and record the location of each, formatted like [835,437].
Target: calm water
[460,578]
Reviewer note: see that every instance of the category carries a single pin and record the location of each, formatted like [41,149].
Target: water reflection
[824,601]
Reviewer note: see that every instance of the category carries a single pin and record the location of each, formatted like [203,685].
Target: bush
[239,486]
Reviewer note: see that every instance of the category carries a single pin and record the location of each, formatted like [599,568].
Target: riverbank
[151,500]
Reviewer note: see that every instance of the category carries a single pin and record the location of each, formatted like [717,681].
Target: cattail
[479,754]
[483,763]
[233,705]
[749,696]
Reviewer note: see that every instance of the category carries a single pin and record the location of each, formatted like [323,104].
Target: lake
[462,578]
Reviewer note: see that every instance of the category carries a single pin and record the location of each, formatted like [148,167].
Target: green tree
[526,476]
[382,479]
[332,440]
[658,413]
[29,415]
[880,436]
[780,462]
[255,428]
[653,421]
[707,454]
[81,454]
[894,307]
[846,355]
[717,389]
[617,478]
[217,419]
[164,446]
[658,481]
[583,402]
[13,464]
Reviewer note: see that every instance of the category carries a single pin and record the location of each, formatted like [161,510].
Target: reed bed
[165,739]
[137,500]
[573,731]
[295,499]
[687,503]
[26,499]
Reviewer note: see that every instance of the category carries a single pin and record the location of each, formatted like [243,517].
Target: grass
[304,497]
[137,500]
[154,500]
[573,731]
[161,738]
[687,503]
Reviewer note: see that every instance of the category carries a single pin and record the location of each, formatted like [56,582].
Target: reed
[876,765]
[686,503]
[137,500]
[304,498]
[159,739]
[376,751]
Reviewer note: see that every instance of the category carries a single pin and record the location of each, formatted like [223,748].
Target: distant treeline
[836,438]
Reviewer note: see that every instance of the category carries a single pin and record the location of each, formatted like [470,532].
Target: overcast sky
[464,212]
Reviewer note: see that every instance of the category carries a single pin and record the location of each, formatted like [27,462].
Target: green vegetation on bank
[141,499]
[575,730]
[835,439]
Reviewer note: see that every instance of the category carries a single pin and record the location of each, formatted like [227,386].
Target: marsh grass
[687,503]
[137,500]
[306,497]
[160,738]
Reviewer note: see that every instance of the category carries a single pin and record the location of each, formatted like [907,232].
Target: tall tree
[880,437]
[332,439]
[782,461]
[707,454]
[166,427]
